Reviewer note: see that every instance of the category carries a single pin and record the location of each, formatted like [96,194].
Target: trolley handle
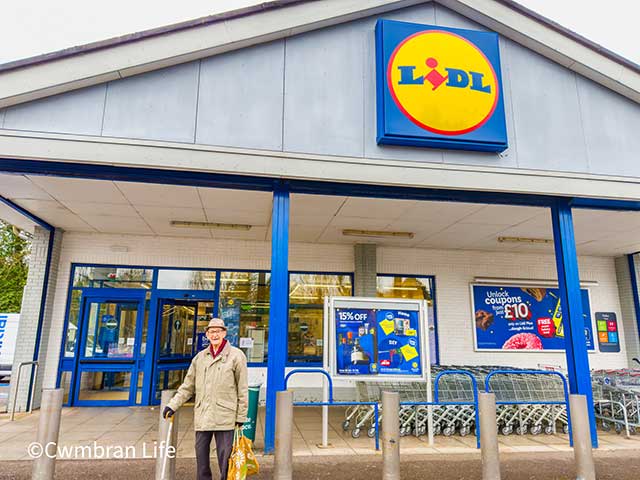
[565,388]
[466,373]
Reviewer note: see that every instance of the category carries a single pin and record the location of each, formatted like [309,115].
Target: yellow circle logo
[442,82]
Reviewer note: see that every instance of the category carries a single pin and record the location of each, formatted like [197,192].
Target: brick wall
[365,270]
[30,317]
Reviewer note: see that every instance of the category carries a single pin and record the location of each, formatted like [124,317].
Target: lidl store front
[109,331]
[161,199]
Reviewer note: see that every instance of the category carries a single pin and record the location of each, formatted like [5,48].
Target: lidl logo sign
[439,87]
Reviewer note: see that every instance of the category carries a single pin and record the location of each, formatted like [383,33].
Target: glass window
[177,324]
[65,385]
[112,277]
[111,330]
[187,279]
[244,306]
[72,327]
[169,380]
[417,288]
[139,387]
[104,385]
[145,323]
[306,312]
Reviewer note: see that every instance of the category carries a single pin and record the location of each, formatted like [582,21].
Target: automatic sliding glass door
[107,367]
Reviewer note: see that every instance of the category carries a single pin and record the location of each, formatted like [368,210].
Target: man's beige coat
[220,388]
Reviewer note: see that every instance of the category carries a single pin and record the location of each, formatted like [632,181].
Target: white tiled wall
[454,270]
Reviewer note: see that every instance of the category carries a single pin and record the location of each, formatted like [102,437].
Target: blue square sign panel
[439,87]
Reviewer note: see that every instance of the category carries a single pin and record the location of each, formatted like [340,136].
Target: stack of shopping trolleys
[519,416]
[616,398]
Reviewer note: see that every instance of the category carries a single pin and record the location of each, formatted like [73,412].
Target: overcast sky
[32,27]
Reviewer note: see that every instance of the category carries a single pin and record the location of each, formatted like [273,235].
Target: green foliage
[14,251]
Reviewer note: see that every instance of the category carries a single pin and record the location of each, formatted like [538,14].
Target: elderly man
[218,378]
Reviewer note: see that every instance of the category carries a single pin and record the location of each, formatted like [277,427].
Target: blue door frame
[154,367]
[87,364]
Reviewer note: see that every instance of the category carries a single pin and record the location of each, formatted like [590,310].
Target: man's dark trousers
[224,444]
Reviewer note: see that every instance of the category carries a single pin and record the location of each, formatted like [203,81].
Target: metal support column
[278,313]
[571,302]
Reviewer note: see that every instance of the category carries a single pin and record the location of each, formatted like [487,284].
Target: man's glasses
[216,332]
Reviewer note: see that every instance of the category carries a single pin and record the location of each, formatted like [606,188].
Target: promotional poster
[377,342]
[523,318]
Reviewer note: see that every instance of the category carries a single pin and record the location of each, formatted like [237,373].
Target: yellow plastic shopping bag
[243,461]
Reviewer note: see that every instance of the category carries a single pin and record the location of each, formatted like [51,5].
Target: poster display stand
[376,339]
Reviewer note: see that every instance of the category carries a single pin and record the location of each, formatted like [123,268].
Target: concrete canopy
[130,208]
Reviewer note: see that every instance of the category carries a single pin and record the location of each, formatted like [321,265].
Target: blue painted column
[571,302]
[278,313]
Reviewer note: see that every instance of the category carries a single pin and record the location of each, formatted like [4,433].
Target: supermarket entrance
[180,322]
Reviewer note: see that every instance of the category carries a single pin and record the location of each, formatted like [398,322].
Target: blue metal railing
[331,402]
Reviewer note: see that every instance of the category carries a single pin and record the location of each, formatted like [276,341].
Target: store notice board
[608,333]
[523,318]
[372,338]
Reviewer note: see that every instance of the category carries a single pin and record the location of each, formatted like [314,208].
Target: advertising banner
[230,313]
[378,341]
[523,318]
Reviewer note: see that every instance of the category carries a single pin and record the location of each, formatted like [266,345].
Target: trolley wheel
[632,430]
[521,430]
[507,430]
[421,431]
[548,430]
[371,432]
[619,428]
[565,429]
[355,433]
[606,426]
[345,425]
[448,431]
[536,430]
[464,431]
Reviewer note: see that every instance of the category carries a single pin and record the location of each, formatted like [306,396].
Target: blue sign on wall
[439,87]
[523,318]
[377,342]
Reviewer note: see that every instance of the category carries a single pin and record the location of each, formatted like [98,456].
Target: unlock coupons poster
[512,318]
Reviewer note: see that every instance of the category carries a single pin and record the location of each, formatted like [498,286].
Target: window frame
[432,281]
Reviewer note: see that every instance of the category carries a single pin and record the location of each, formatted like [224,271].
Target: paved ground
[136,428]
[515,466]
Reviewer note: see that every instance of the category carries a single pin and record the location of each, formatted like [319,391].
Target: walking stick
[166,448]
